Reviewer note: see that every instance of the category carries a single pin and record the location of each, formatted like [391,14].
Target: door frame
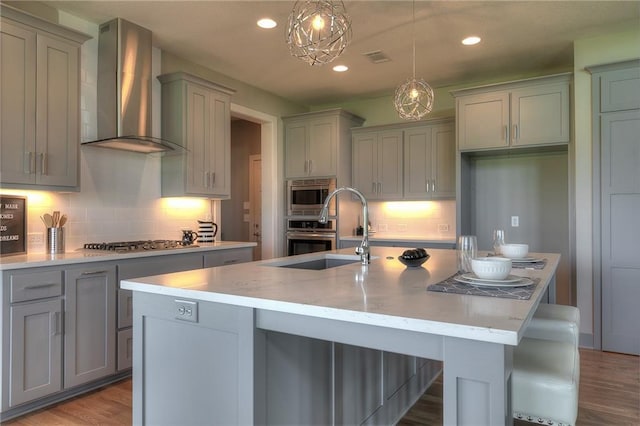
[272,229]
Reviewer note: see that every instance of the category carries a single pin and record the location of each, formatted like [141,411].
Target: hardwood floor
[609,395]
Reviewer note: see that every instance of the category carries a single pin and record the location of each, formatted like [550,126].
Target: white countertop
[32,260]
[383,294]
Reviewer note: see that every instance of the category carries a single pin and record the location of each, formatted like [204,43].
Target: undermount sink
[317,263]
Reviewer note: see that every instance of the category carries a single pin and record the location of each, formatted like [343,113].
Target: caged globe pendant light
[414,98]
[318,31]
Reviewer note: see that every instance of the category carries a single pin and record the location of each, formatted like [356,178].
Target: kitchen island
[242,344]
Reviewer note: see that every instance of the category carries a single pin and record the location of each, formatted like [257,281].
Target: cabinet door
[365,164]
[57,138]
[295,149]
[90,324]
[18,104]
[443,161]
[390,165]
[540,115]
[418,176]
[36,350]
[220,146]
[323,147]
[483,121]
[197,126]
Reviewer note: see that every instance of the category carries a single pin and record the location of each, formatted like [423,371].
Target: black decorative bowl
[414,257]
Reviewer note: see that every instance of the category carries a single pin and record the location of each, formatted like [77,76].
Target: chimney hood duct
[124,90]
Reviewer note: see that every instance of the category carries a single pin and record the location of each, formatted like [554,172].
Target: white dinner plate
[473,277]
[510,281]
[527,260]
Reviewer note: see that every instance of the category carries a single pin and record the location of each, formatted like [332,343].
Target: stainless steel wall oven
[306,235]
[305,197]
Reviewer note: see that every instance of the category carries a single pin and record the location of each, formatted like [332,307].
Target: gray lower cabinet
[32,335]
[36,350]
[90,323]
[228,257]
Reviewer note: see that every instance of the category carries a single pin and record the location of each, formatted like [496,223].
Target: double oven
[304,234]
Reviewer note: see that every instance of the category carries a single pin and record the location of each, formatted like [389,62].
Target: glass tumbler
[498,240]
[467,250]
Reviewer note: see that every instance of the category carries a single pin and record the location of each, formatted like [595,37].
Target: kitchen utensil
[467,250]
[188,236]
[56,218]
[63,220]
[55,240]
[498,240]
[514,251]
[491,268]
[48,220]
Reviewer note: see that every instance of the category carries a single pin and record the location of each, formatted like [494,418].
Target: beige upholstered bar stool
[545,381]
[560,323]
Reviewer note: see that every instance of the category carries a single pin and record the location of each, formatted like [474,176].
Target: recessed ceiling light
[340,68]
[267,23]
[470,41]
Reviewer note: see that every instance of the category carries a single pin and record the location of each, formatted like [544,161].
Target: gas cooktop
[134,246]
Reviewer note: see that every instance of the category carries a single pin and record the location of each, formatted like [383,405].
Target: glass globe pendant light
[318,31]
[414,98]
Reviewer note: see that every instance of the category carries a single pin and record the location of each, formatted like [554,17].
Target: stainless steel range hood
[124,90]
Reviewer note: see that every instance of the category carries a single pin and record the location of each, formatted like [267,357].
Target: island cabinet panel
[90,323]
[40,97]
[299,382]
[228,257]
[189,372]
[534,112]
[359,381]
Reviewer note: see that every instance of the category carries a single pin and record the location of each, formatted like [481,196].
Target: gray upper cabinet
[318,144]
[196,114]
[40,96]
[377,164]
[90,323]
[525,113]
[429,161]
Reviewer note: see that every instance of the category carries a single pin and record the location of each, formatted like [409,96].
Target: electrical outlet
[36,237]
[443,227]
[515,221]
[186,310]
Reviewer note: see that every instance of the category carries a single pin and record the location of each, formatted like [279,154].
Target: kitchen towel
[450,285]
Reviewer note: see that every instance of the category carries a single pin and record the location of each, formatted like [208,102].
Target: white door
[255,204]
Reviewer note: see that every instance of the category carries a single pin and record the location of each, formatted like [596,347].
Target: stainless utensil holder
[55,240]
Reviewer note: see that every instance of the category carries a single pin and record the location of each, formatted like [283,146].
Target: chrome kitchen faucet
[363,249]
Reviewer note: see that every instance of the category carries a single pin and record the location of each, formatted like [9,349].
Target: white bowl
[514,251]
[491,268]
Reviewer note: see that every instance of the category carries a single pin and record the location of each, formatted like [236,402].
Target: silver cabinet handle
[213,179]
[39,286]
[55,319]
[43,163]
[310,166]
[506,133]
[104,271]
[379,188]
[373,187]
[515,132]
[433,185]
[426,183]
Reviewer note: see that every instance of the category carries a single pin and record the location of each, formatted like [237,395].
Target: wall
[614,47]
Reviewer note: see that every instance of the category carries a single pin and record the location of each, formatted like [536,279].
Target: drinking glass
[467,250]
[498,240]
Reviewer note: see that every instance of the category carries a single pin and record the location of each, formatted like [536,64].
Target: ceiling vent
[377,56]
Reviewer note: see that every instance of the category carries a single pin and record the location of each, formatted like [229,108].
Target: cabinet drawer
[125,349]
[35,285]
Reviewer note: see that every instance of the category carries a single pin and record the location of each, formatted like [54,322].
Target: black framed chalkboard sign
[13,224]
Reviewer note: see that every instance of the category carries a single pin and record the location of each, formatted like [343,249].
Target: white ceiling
[519,37]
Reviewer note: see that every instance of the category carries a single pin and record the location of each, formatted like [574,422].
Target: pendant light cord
[413,35]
